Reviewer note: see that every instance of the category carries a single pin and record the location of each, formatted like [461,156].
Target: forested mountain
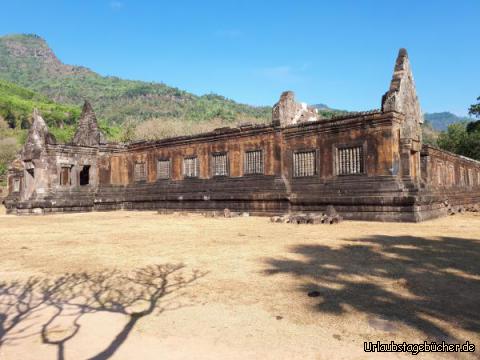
[17,104]
[441,120]
[28,61]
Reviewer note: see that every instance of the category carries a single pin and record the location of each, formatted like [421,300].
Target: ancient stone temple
[370,165]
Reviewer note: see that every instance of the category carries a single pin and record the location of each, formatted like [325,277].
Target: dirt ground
[138,285]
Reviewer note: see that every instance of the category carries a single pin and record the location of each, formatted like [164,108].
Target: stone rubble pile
[452,210]
[473,208]
[226,213]
[330,216]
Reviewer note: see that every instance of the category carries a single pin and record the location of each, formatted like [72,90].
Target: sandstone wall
[369,166]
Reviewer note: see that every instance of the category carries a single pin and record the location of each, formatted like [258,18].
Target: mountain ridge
[27,60]
[441,120]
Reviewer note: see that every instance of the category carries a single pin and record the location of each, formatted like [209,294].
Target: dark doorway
[85,175]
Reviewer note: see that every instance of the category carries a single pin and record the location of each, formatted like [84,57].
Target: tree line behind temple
[464,137]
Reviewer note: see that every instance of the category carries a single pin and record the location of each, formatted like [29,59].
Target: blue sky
[336,52]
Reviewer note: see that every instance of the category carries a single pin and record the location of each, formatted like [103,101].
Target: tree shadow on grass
[419,281]
[145,291]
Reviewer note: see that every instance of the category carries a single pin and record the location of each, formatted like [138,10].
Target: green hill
[16,108]
[441,120]
[28,61]
[17,103]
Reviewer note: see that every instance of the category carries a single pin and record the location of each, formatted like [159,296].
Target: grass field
[138,285]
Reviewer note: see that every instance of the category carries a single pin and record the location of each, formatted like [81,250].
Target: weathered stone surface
[402,97]
[312,218]
[288,112]
[38,136]
[395,178]
[330,211]
[88,133]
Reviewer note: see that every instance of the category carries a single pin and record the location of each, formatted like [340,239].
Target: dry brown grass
[376,281]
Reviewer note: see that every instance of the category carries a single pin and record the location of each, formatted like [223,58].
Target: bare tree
[144,291]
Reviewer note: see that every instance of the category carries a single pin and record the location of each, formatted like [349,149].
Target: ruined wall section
[373,192]
[276,190]
[288,112]
[373,131]
[369,166]
[38,137]
[233,142]
[35,177]
[256,193]
[88,133]
[50,176]
[443,170]
[449,181]
[402,98]
[377,192]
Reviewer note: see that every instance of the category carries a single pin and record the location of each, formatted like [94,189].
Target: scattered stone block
[312,218]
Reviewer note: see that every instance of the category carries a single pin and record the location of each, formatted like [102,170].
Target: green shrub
[8,150]
[460,141]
